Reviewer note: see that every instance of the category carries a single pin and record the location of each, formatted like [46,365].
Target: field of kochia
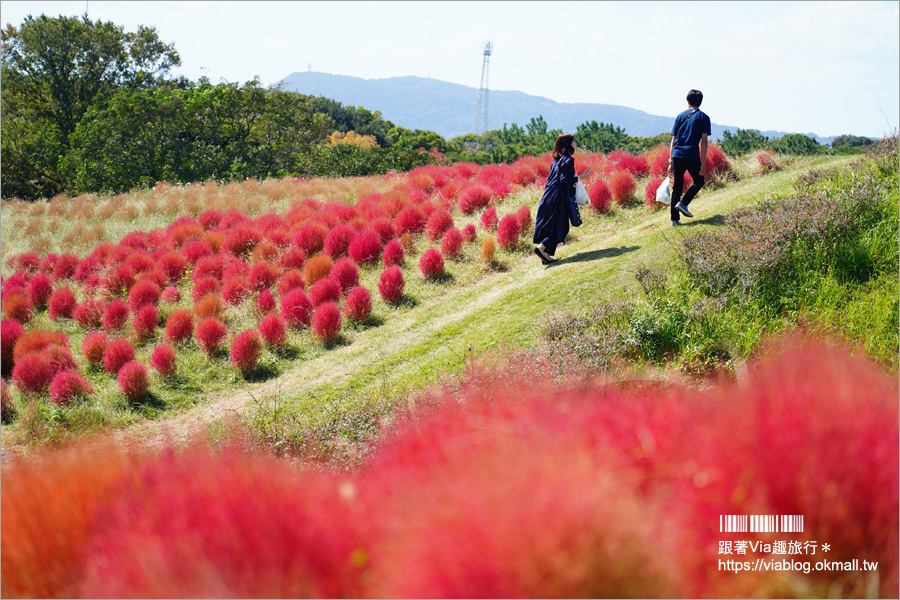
[348,381]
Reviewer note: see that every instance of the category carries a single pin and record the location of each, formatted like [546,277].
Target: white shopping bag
[581,195]
[663,193]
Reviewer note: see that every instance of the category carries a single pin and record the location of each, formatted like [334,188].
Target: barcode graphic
[761,523]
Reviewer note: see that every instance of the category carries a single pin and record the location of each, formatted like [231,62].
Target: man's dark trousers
[679,166]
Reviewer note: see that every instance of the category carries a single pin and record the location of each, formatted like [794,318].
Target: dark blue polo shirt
[688,129]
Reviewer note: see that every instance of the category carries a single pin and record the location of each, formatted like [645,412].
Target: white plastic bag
[581,195]
[663,193]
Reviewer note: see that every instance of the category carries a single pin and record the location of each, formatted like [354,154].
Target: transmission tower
[481,116]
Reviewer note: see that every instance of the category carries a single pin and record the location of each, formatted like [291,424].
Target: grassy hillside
[321,390]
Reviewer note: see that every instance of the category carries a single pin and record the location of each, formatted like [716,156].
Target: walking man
[688,153]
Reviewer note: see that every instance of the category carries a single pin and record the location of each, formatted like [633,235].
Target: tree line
[90,107]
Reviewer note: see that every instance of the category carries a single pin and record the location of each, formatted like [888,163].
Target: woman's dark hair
[563,145]
[695,98]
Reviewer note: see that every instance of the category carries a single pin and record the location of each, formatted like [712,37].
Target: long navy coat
[552,220]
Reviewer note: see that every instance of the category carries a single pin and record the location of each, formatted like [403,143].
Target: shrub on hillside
[10,332]
[89,313]
[452,242]
[621,186]
[431,263]
[338,241]
[650,194]
[210,333]
[296,308]
[600,196]
[115,316]
[145,321]
[393,254]
[346,273]
[62,304]
[180,326]
[133,381]
[315,268]
[33,371]
[263,275]
[326,321]
[358,304]
[489,219]
[410,220]
[327,289]
[474,197]
[142,293]
[310,238]
[391,284]
[171,295]
[488,249]
[7,406]
[38,339]
[508,232]
[116,354]
[163,360]
[40,287]
[438,223]
[524,217]
[365,247]
[290,279]
[68,386]
[246,350]
[469,232]
[265,302]
[235,290]
[273,330]
[18,306]
[93,347]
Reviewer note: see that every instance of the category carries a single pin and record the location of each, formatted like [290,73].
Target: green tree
[401,137]
[53,71]
[851,144]
[797,143]
[742,142]
[601,137]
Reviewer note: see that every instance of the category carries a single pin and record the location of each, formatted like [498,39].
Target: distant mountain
[449,109]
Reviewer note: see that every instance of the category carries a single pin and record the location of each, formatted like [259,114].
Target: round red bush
[410,220]
[296,308]
[470,233]
[38,339]
[650,194]
[118,280]
[235,290]
[170,295]
[310,238]
[489,219]
[327,289]
[18,306]
[393,253]
[68,386]
[508,232]
[265,302]
[391,284]
[273,329]
[524,217]
[358,304]
[94,346]
[62,304]
[365,247]
[235,267]
[65,267]
[601,197]
[39,289]
[716,161]
[245,350]
[452,242]
[438,223]
[292,258]
[115,315]
[474,197]
[338,240]
[326,321]
[143,293]
[89,314]
[622,186]
[33,371]
[383,227]
[432,263]
[180,326]
[241,241]
[163,360]
[315,268]
[292,278]
[208,266]
[203,286]
[10,332]
[346,273]
[133,381]
[173,265]
[210,333]
[145,321]
[117,353]
[263,275]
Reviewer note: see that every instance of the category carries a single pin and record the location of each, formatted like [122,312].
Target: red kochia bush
[601,197]
[393,254]
[203,286]
[89,313]
[383,227]
[310,238]
[439,222]
[163,360]
[143,293]
[410,220]
[33,371]
[358,304]
[508,232]
[263,275]
[432,263]
[621,185]
[93,347]
[296,308]
[326,321]
[62,304]
[274,532]
[180,326]
[38,339]
[133,381]
[173,265]
[650,194]
[117,353]
[324,290]
[365,247]
[489,219]
[315,268]
[292,278]
[210,333]
[469,232]
[115,315]
[18,306]
[241,241]
[65,267]
[10,331]
[452,242]
[524,217]
[265,302]
[245,350]
[235,290]
[391,284]
[40,286]
[145,321]
[474,197]
[68,386]
[345,272]
[170,295]
[273,330]
[337,240]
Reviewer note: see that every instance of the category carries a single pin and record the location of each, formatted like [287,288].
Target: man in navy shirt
[688,153]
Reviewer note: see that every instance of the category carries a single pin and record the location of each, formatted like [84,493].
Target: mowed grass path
[418,345]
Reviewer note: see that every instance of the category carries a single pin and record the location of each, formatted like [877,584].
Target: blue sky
[814,67]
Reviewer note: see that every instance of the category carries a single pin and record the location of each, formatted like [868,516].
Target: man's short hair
[695,98]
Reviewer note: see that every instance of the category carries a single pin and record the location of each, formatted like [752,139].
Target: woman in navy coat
[551,225]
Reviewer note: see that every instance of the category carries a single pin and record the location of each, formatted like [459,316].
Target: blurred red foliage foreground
[508,486]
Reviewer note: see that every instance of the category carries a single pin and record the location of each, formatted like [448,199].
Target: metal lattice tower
[481,116]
